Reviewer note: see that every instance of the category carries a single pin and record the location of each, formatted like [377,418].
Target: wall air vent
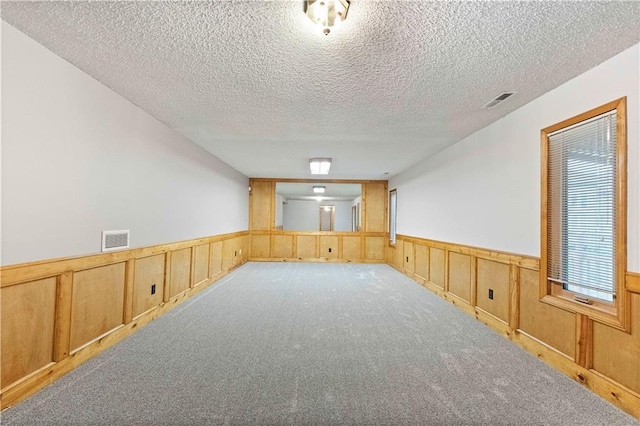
[115,240]
[500,98]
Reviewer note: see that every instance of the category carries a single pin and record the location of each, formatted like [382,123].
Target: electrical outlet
[491,294]
[407,259]
[153,289]
[329,249]
[235,253]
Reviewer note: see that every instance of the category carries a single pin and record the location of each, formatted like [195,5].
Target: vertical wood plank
[261,205]
[514,297]
[166,291]
[62,327]
[192,267]
[473,264]
[428,260]
[584,341]
[446,270]
[129,277]
[294,251]
[340,247]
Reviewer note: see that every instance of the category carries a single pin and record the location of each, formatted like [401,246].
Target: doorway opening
[327,218]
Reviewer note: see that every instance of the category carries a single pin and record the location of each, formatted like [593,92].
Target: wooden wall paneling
[616,354]
[149,272]
[282,246]
[584,336]
[237,251]
[261,202]
[87,302]
[166,288]
[236,248]
[28,313]
[408,258]
[612,391]
[215,262]
[437,266]
[227,254]
[460,276]
[514,297]
[96,303]
[245,248]
[62,324]
[129,270]
[374,248]
[306,246]
[200,264]
[375,206]
[633,282]
[192,266]
[180,272]
[352,248]
[260,246]
[421,259]
[536,317]
[295,246]
[399,254]
[390,254]
[32,271]
[599,355]
[474,280]
[494,276]
[329,242]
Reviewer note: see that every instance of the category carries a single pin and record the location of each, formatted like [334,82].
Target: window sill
[600,312]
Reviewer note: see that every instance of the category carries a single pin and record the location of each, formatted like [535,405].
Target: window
[393,209]
[584,209]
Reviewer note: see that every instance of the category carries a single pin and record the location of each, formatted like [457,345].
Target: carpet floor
[315,344]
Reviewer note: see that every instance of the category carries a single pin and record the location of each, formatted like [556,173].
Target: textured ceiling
[256,84]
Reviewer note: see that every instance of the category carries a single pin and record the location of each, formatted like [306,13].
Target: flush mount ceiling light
[318,189]
[327,13]
[320,166]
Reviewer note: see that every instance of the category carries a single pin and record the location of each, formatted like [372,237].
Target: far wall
[304,215]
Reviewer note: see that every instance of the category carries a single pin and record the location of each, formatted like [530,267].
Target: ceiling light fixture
[327,13]
[320,166]
[318,189]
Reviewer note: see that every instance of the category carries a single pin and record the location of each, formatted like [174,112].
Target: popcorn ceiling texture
[256,84]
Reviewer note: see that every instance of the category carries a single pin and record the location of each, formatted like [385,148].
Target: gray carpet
[318,344]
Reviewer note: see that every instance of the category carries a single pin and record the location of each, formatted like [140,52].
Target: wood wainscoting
[501,290]
[58,313]
[291,246]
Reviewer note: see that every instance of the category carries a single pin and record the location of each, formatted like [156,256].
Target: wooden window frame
[617,313]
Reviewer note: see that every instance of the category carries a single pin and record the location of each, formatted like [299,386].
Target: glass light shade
[327,13]
[320,166]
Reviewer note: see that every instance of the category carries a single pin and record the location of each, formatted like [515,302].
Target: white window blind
[581,207]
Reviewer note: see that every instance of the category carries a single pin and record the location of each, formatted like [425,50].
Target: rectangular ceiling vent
[500,98]
[115,240]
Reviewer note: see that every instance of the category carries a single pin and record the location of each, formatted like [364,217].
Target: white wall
[77,158]
[304,215]
[485,190]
